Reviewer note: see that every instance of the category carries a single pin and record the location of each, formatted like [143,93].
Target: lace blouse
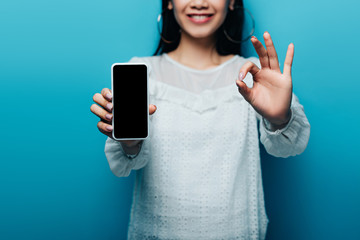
[198,173]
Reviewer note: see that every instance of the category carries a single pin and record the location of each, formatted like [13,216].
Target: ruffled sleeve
[119,163]
[290,140]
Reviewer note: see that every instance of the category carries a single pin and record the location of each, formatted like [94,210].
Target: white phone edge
[147,90]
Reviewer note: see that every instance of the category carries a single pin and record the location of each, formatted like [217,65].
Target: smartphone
[129,84]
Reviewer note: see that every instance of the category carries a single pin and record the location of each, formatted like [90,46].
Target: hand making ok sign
[271,93]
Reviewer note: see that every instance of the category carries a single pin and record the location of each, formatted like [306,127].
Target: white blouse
[198,173]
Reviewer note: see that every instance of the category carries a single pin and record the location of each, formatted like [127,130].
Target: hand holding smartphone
[130,98]
[104,110]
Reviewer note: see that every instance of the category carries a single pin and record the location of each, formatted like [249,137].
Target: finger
[152,109]
[289,59]
[248,67]
[106,93]
[105,128]
[261,51]
[100,112]
[244,90]
[273,58]
[99,99]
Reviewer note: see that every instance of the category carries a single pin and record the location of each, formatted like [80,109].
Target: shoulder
[153,62]
[148,60]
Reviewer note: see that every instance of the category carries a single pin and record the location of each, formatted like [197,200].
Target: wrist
[132,149]
[130,143]
[278,124]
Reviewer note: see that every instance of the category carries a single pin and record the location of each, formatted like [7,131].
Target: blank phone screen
[130,101]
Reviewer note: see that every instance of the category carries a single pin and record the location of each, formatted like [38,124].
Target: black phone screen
[130,101]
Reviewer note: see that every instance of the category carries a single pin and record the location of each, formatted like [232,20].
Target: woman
[199,174]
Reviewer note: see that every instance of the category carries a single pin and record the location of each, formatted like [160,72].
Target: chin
[200,34]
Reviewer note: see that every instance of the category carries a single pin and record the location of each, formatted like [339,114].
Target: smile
[200,18]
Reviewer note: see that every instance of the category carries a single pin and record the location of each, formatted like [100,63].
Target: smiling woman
[200,20]
[198,172]
[232,26]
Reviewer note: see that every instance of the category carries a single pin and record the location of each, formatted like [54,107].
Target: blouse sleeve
[290,140]
[120,164]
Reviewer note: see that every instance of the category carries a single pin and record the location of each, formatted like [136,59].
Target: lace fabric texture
[198,173]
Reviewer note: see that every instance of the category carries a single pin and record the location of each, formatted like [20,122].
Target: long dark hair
[233,24]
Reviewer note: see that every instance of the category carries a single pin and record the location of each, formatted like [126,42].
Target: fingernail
[241,76]
[109,106]
[253,37]
[108,116]
[108,95]
[110,128]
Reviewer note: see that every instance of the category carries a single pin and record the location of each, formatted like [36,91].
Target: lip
[201,20]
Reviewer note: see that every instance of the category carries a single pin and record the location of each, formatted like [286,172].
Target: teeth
[197,17]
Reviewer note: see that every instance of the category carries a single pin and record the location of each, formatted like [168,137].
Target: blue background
[55,182]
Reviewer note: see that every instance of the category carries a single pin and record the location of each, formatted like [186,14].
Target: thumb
[152,109]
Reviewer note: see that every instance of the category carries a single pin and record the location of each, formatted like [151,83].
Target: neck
[198,53]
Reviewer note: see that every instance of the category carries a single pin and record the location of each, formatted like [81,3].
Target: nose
[199,4]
